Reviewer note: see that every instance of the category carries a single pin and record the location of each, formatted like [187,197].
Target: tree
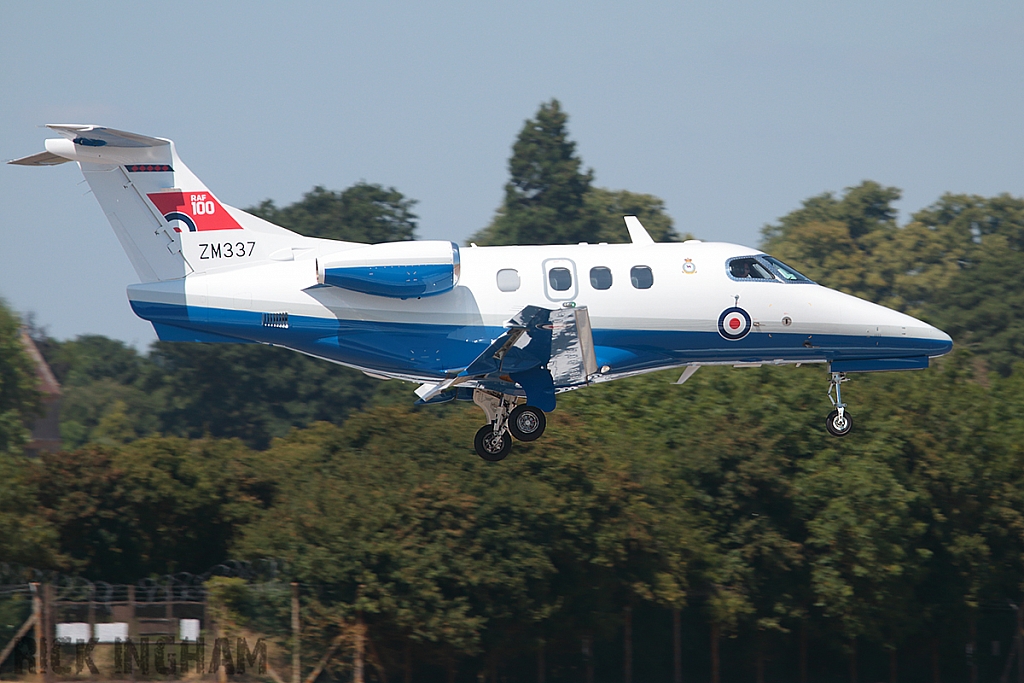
[158,505]
[365,212]
[20,402]
[545,196]
[102,379]
[834,240]
[607,207]
[24,538]
[250,391]
[979,299]
[550,200]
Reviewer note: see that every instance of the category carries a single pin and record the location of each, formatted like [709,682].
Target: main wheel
[839,426]
[527,423]
[490,446]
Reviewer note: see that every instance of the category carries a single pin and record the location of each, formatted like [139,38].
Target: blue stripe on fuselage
[431,350]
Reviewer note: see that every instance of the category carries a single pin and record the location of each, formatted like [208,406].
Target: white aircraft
[505,327]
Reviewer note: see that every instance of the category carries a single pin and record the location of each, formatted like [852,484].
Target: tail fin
[149,196]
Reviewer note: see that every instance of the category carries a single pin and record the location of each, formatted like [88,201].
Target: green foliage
[112,394]
[19,398]
[607,207]
[25,536]
[154,506]
[550,200]
[14,610]
[250,391]
[979,296]
[544,198]
[362,213]
[430,542]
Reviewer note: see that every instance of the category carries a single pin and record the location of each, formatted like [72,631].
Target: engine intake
[398,270]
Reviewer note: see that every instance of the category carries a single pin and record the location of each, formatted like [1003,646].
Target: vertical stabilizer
[149,196]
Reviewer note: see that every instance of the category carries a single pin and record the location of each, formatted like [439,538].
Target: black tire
[837,427]
[527,423]
[490,448]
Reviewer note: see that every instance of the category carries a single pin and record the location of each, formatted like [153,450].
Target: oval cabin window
[560,279]
[600,277]
[508,279]
[641,276]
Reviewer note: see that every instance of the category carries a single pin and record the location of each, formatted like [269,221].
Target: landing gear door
[572,347]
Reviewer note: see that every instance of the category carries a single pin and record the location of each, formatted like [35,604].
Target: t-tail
[158,208]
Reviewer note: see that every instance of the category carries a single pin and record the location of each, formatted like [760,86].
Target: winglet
[637,232]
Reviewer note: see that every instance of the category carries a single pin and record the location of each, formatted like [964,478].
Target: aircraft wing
[542,350]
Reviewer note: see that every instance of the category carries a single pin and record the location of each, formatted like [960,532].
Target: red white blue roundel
[734,323]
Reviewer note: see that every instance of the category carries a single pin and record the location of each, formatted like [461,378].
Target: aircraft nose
[938,342]
[860,316]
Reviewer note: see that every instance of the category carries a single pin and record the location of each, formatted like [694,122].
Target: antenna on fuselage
[637,232]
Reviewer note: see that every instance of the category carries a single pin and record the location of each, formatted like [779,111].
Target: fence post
[296,635]
[627,645]
[48,632]
[92,610]
[131,626]
[37,612]
[1020,643]
[677,646]
[357,673]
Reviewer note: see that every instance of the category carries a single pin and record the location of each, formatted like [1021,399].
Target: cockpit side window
[748,269]
[785,272]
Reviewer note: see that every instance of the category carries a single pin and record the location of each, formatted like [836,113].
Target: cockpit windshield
[748,269]
[785,272]
[763,268]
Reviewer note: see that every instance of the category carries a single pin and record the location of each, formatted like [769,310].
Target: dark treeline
[719,515]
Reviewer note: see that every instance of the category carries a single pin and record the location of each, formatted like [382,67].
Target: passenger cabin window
[748,269]
[600,277]
[642,277]
[560,279]
[508,279]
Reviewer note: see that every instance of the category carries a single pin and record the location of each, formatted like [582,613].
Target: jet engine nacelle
[400,270]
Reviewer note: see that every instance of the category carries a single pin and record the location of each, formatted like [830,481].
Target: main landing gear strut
[838,422]
[505,419]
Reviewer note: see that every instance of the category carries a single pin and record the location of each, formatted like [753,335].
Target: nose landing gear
[505,419]
[839,422]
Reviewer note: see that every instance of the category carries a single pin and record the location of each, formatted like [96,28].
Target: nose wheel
[839,422]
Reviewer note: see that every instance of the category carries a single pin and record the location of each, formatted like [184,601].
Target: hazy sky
[731,112]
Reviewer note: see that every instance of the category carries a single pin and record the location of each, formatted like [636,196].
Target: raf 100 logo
[202,206]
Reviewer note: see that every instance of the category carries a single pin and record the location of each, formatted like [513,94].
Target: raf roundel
[178,220]
[734,323]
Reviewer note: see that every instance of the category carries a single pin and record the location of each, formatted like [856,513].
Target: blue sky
[731,112]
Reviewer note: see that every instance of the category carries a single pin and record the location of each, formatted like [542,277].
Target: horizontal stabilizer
[41,159]
[100,136]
